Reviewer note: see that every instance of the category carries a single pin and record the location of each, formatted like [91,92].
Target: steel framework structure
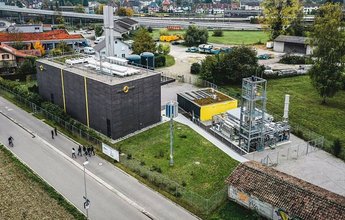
[253,109]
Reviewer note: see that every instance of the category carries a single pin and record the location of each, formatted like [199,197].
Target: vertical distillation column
[253,109]
[108,22]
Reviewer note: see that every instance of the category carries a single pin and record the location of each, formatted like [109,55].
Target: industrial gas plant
[248,127]
[104,93]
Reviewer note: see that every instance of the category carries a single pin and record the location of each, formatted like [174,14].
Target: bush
[149,29]
[160,61]
[142,163]
[184,184]
[289,59]
[163,32]
[254,20]
[129,156]
[217,33]
[336,147]
[195,36]
[195,68]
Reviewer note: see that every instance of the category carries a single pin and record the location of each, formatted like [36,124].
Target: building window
[5,56]
[116,42]
[37,28]
[123,55]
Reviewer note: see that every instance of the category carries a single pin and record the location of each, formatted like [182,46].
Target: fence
[283,154]
[199,203]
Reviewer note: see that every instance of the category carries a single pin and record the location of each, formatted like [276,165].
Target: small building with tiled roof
[277,195]
[48,39]
[11,58]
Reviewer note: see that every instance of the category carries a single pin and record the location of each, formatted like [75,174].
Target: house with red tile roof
[11,58]
[276,195]
[49,39]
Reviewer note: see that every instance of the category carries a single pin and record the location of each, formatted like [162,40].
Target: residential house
[121,49]
[11,58]
[250,5]
[153,7]
[25,28]
[277,195]
[166,5]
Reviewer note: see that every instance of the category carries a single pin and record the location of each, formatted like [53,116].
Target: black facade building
[114,106]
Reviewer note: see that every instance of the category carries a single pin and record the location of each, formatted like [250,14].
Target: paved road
[111,191]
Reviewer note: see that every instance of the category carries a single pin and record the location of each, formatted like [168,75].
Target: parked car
[89,50]
[192,49]
[287,72]
[99,39]
[265,56]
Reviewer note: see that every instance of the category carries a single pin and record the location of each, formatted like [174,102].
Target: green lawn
[170,60]
[306,108]
[233,211]
[230,37]
[198,163]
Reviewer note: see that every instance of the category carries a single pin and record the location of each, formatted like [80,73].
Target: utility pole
[171,111]
[87,201]
[171,140]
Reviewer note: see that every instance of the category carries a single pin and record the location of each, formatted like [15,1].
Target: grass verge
[24,195]
[169,60]
[229,37]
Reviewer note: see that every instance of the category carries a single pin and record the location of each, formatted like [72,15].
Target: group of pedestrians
[84,151]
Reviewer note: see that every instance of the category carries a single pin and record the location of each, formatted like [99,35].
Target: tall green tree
[195,36]
[143,42]
[279,14]
[328,40]
[230,68]
[98,30]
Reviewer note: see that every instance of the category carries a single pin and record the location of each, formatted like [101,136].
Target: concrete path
[182,119]
[113,193]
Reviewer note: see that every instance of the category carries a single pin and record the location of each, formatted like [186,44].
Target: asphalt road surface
[113,193]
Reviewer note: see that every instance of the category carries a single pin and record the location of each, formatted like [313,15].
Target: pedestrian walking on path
[55,131]
[84,150]
[73,153]
[93,151]
[79,151]
[52,134]
[89,151]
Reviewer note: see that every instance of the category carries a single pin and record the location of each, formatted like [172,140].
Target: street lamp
[87,201]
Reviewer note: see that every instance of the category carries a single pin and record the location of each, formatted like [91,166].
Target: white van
[89,50]
[99,39]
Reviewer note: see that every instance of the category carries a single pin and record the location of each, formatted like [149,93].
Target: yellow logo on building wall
[125,89]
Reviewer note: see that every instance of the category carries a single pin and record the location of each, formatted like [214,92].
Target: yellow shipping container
[208,111]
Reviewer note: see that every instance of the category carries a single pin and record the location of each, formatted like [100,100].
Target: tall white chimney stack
[108,21]
[286,108]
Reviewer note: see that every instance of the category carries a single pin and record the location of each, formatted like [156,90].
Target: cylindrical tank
[148,60]
[134,59]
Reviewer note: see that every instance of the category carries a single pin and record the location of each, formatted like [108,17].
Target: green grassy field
[170,60]
[198,163]
[306,108]
[233,211]
[229,37]
[24,195]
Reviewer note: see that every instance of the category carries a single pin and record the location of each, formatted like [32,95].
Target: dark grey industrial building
[114,106]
